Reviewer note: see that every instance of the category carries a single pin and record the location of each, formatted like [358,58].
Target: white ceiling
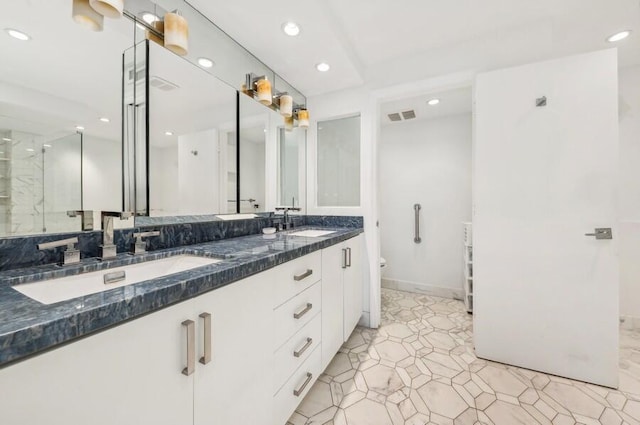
[381,43]
[452,102]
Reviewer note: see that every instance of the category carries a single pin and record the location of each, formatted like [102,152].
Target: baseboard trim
[629,323]
[419,288]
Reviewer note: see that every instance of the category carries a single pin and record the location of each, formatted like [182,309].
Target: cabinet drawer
[295,276]
[296,350]
[294,390]
[295,313]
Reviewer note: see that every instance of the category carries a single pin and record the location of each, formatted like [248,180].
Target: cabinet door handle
[304,385]
[304,275]
[344,258]
[349,257]
[304,348]
[191,354]
[206,356]
[303,312]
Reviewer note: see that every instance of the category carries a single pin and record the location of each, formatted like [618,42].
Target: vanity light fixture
[286,105]
[323,67]
[149,18]
[18,35]
[619,36]
[433,102]
[86,16]
[168,133]
[176,33]
[205,62]
[105,119]
[264,91]
[288,123]
[291,29]
[108,8]
[303,118]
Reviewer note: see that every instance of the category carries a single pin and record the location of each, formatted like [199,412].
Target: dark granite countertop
[28,327]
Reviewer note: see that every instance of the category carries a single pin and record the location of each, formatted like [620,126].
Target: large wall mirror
[60,117]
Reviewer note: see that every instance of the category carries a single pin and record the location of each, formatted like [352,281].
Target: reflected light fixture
[168,133]
[323,67]
[205,62]
[288,123]
[149,18]
[176,33]
[291,29]
[46,145]
[286,105]
[303,118]
[18,35]
[79,128]
[30,150]
[86,16]
[105,119]
[264,91]
[108,8]
[6,139]
[619,36]
[433,102]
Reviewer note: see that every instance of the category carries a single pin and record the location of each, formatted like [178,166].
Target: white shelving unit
[468,265]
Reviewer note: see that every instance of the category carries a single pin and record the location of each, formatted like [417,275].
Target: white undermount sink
[312,233]
[65,288]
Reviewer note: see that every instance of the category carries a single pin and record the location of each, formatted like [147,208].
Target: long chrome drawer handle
[114,277]
[303,312]
[191,351]
[301,389]
[206,357]
[304,275]
[304,348]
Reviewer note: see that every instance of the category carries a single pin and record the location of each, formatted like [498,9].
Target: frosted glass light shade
[108,8]
[176,33]
[288,123]
[264,92]
[286,105]
[303,118]
[83,14]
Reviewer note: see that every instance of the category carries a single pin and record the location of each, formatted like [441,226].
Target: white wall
[252,175]
[629,226]
[101,174]
[426,162]
[198,174]
[163,181]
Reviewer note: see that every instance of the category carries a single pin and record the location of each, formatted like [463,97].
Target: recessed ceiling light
[433,102]
[619,36]
[46,145]
[168,133]
[105,119]
[79,127]
[323,67]
[291,29]
[205,62]
[30,150]
[6,139]
[149,18]
[19,35]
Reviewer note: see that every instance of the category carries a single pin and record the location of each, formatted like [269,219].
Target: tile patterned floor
[419,368]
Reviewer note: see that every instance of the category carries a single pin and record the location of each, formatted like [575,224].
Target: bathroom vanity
[238,341]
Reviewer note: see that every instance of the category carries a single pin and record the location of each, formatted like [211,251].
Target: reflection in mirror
[291,171]
[61,79]
[191,121]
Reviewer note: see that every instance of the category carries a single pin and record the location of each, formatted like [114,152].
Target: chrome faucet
[86,218]
[71,255]
[108,249]
[286,223]
[140,245]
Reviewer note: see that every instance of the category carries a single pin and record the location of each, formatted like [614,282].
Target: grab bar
[417,208]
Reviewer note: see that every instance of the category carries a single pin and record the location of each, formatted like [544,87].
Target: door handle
[416,209]
[301,313]
[304,385]
[348,257]
[344,258]
[307,344]
[206,355]
[302,276]
[601,233]
[191,354]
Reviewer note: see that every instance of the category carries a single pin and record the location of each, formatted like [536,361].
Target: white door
[546,295]
[333,266]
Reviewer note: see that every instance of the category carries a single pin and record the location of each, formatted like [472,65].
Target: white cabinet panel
[296,276]
[352,286]
[127,375]
[297,312]
[241,366]
[333,261]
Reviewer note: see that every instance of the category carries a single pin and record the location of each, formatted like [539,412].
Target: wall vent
[395,117]
[408,115]
[162,84]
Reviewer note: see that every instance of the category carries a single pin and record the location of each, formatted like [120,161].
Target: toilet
[383,266]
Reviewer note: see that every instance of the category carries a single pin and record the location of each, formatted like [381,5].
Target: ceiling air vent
[162,84]
[395,117]
[408,115]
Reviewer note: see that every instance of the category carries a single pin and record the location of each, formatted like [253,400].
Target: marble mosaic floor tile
[419,368]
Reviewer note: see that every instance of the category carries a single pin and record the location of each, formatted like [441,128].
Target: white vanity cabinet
[127,375]
[341,294]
